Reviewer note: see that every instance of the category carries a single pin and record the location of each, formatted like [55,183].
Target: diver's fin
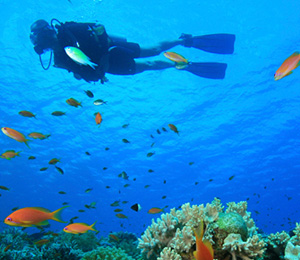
[221,43]
[210,70]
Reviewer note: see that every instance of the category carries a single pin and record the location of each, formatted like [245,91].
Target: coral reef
[107,253]
[232,233]
[292,250]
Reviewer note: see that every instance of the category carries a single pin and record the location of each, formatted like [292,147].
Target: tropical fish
[73,102]
[88,190]
[204,250]
[124,175]
[115,204]
[7,248]
[126,185]
[36,135]
[62,192]
[26,113]
[125,141]
[150,170]
[33,216]
[14,209]
[114,237]
[79,57]
[60,170]
[87,153]
[42,242]
[79,228]
[173,56]
[3,188]
[136,207]
[155,210]
[98,118]
[89,93]
[150,154]
[288,66]
[118,210]
[231,177]
[31,157]
[15,135]
[99,102]
[105,168]
[163,197]
[164,129]
[157,130]
[146,186]
[191,163]
[58,113]
[81,210]
[9,154]
[43,169]
[125,126]
[173,128]
[120,215]
[106,148]
[54,161]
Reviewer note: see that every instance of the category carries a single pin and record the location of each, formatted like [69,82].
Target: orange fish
[42,242]
[26,113]
[173,56]
[9,154]
[7,248]
[204,250]
[79,228]
[73,102]
[155,210]
[54,161]
[114,237]
[120,215]
[173,128]
[33,216]
[36,135]
[98,118]
[15,135]
[287,66]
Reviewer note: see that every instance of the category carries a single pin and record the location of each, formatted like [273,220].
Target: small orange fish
[287,66]
[155,210]
[79,228]
[173,128]
[73,102]
[42,242]
[9,154]
[98,118]
[7,248]
[33,216]
[26,113]
[15,135]
[173,56]
[54,161]
[204,250]
[36,135]
[120,215]
[114,237]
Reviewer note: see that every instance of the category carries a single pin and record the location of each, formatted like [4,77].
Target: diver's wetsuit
[114,57]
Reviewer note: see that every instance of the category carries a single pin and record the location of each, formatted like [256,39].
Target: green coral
[107,253]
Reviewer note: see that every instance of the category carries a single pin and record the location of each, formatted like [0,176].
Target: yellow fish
[79,57]
[287,66]
[15,135]
[173,56]
[79,228]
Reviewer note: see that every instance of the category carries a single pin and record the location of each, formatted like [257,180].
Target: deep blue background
[246,125]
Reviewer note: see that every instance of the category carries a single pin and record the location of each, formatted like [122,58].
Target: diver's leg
[152,65]
[156,50]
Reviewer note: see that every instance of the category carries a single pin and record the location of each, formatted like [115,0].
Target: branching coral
[169,254]
[173,235]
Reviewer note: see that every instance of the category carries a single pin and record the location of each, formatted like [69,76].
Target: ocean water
[246,125]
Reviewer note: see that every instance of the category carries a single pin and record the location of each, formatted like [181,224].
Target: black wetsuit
[114,57]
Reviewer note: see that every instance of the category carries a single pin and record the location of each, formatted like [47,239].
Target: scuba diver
[86,50]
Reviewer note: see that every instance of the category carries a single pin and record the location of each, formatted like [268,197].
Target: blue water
[246,125]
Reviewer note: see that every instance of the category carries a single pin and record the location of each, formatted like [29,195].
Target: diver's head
[42,36]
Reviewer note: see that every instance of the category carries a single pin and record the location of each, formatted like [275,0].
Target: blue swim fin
[210,70]
[221,43]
